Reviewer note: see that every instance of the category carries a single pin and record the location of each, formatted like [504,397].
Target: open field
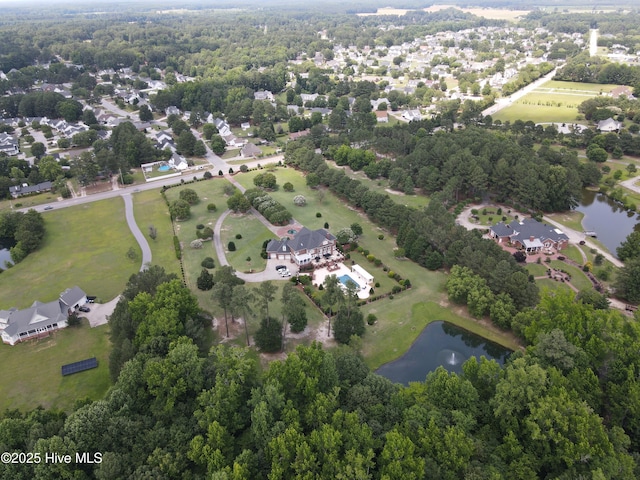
[491,13]
[536,269]
[210,191]
[572,219]
[150,208]
[254,233]
[85,245]
[554,101]
[32,375]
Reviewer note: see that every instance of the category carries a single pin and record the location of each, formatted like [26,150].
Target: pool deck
[320,274]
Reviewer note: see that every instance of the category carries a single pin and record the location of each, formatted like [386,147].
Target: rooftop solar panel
[80,366]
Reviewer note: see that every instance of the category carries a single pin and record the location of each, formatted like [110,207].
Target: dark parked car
[91,298]
[48,207]
[84,309]
[280,267]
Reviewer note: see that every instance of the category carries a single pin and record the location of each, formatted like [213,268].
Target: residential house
[382,117]
[609,125]
[622,91]
[530,235]
[41,318]
[264,95]
[9,144]
[25,189]
[250,151]
[411,115]
[303,247]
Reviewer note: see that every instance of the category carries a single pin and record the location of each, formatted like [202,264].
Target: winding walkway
[133,226]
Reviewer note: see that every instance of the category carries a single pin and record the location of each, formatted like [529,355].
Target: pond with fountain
[441,344]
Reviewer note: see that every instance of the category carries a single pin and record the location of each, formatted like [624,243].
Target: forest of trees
[564,408]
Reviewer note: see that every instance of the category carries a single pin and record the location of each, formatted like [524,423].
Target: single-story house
[41,318]
[303,247]
[382,116]
[250,151]
[530,235]
[609,125]
[25,189]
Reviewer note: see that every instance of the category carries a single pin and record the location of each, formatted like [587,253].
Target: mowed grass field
[210,191]
[150,208]
[85,245]
[31,370]
[554,101]
[254,233]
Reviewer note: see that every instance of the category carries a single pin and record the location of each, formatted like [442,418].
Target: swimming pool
[164,168]
[344,279]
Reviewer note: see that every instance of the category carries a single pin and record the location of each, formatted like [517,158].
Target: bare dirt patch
[394,192]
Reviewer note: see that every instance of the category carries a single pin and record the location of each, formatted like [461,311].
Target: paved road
[631,184]
[514,97]
[133,226]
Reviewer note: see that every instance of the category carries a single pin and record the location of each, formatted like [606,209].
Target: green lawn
[403,318]
[488,215]
[29,201]
[536,269]
[381,185]
[578,278]
[572,219]
[552,285]
[150,209]
[32,370]
[553,101]
[254,233]
[572,252]
[210,191]
[85,245]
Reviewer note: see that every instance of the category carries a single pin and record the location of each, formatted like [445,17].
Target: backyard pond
[441,344]
[607,218]
[5,256]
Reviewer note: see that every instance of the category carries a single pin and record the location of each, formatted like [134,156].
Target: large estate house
[41,318]
[530,235]
[304,247]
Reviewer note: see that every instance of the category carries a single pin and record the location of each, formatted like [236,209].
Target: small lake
[5,256]
[611,222]
[441,344]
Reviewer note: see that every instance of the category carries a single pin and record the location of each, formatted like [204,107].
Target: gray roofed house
[41,318]
[530,235]
[303,247]
[609,125]
[73,297]
[250,150]
[24,189]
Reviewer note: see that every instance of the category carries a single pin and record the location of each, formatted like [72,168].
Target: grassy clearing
[536,269]
[401,320]
[552,285]
[211,191]
[578,278]
[554,101]
[489,216]
[150,209]
[381,185]
[84,245]
[572,252]
[32,370]
[254,233]
[571,219]
[27,202]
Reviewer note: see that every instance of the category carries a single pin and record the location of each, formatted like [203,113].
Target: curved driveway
[133,226]
[267,274]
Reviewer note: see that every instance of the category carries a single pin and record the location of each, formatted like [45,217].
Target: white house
[41,318]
